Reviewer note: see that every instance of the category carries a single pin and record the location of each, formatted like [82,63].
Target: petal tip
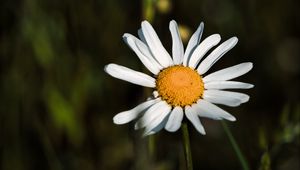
[232,41]
[251,86]
[234,38]
[144,23]
[172,21]
[231,118]
[246,99]
[201,26]
[172,24]
[136,126]
[125,35]
[146,133]
[217,37]
[251,65]
[117,121]
[106,67]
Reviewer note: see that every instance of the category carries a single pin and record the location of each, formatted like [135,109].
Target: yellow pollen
[179,85]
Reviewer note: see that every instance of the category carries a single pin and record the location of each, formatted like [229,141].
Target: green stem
[187,146]
[151,146]
[148,14]
[235,146]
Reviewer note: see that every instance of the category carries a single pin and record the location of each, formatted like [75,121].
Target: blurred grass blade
[235,146]
[148,10]
[265,162]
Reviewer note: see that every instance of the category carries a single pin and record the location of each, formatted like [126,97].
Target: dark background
[57,103]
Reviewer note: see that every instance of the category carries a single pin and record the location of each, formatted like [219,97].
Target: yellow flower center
[179,85]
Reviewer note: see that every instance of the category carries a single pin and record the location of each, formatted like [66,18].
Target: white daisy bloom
[180,84]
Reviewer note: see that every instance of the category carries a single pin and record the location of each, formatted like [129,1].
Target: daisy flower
[180,83]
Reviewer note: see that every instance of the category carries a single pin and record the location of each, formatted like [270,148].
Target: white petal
[142,51]
[227,85]
[215,55]
[229,73]
[155,94]
[127,116]
[174,121]
[141,36]
[225,97]
[193,43]
[129,75]
[142,44]
[143,47]
[153,116]
[202,49]
[155,124]
[177,47]
[191,114]
[209,110]
[156,47]
[156,129]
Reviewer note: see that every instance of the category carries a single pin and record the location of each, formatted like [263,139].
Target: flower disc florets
[179,85]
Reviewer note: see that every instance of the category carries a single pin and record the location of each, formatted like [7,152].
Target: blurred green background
[57,103]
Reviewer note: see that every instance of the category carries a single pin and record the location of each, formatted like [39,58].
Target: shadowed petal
[177,47]
[156,129]
[153,116]
[174,121]
[142,51]
[193,43]
[209,110]
[191,114]
[127,116]
[156,47]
